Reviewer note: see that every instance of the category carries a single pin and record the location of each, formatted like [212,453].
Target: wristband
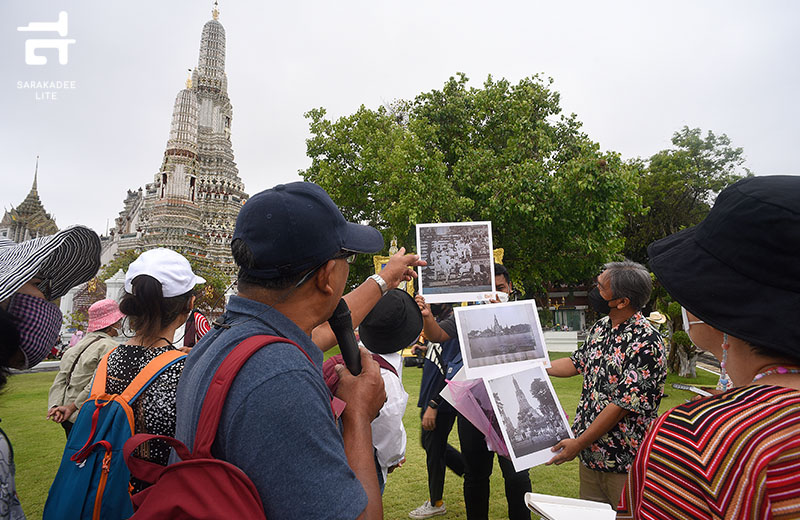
[381,283]
[433,404]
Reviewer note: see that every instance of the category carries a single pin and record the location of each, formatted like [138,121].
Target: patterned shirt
[154,409]
[624,365]
[734,455]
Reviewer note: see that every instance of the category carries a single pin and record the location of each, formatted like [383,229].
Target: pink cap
[103,313]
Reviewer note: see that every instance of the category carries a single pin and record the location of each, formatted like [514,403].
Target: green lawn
[38,445]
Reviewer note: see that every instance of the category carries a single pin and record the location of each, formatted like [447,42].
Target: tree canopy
[503,153]
[678,186]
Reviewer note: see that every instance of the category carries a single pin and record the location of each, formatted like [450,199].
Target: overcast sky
[633,72]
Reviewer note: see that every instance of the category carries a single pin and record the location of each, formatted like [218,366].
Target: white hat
[171,269]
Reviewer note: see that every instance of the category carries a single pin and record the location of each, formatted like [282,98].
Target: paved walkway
[44,366]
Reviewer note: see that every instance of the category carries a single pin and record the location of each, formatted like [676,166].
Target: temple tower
[29,219]
[194,199]
[173,216]
[219,188]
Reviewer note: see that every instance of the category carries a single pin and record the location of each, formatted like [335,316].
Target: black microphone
[342,327]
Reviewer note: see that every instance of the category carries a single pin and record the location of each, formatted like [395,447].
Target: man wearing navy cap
[294,247]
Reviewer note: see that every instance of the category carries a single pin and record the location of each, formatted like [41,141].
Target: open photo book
[552,507]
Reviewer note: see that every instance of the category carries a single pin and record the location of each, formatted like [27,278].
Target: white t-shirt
[388,433]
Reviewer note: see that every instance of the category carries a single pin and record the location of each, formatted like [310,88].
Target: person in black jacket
[438,417]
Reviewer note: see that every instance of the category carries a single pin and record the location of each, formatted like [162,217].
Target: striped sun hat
[62,261]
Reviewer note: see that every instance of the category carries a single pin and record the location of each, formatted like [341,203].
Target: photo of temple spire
[499,330]
[537,424]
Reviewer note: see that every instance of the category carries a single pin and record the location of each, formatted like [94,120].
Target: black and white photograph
[460,262]
[531,417]
[500,337]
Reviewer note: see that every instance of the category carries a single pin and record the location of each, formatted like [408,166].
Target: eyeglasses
[686,322]
[348,257]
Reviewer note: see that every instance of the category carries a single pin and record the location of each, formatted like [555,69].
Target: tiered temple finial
[215,11]
[34,188]
[189,80]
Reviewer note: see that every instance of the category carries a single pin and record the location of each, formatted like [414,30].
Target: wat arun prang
[192,203]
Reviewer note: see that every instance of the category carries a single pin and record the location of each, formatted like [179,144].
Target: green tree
[503,153]
[678,186]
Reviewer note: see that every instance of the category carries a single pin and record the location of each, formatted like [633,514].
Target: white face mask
[503,297]
[687,324]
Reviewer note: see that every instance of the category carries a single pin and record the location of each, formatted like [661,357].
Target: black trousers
[440,455]
[67,427]
[478,462]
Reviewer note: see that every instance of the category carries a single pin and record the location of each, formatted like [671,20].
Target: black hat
[739,269]
[393,324]
[295,227]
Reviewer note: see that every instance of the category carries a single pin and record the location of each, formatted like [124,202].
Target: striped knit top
[735,455]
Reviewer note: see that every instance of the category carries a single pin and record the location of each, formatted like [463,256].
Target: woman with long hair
[159,295]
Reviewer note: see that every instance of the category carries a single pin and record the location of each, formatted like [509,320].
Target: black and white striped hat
[62,261]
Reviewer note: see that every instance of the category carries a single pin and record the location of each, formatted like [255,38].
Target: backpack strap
[99,381]
[385,364]
[150,371]
[220,384]
[145,470]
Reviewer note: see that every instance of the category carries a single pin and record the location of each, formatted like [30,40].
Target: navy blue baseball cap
[295,227]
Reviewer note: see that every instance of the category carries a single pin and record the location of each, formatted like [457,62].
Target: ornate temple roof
[210,71]
[183,131]
[29,219]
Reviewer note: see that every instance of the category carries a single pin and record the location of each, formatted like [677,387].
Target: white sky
[633,72]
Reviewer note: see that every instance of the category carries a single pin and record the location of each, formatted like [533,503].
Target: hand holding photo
[531,417]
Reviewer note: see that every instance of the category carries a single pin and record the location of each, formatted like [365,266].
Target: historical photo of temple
[531,416]
[498,335]
[460,263]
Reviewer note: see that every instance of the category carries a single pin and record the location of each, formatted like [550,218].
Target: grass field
[38,446]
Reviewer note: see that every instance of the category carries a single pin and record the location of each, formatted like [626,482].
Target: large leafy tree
[503,153]
[679,185]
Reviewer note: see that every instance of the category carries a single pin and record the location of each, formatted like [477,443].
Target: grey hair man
[623,363]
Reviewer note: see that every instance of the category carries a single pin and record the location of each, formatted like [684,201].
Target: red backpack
[200,486]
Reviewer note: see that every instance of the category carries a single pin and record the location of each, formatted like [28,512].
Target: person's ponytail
[148,310]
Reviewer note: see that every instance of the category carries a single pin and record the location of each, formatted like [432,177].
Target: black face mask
[598,303]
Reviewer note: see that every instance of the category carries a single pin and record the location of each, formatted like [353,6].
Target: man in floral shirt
[623,364]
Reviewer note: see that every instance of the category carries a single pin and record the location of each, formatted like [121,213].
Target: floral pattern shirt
[624,365]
